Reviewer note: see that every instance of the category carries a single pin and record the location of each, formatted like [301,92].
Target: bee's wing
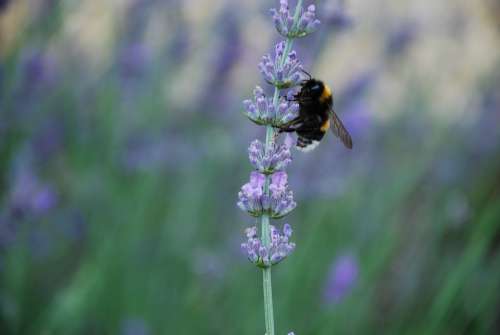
[339,130]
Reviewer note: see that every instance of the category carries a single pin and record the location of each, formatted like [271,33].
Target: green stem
[265,228]
[266,240]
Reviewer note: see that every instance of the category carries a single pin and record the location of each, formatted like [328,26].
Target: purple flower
[279,247]
[308,22]
[358,118]
[357,87]
[279,202]
[30,195]
[285,76]
[44,199]
[275,159]
[341,279]
[250,196]
[39,71]
[400,39]
[285,25]
[133,60]
[180,45]
[335,15]
[48,139]
[262,111]
[231,49]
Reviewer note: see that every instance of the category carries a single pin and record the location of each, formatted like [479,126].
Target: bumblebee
[316,116]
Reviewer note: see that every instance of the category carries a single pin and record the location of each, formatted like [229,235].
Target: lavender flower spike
[290,28]
[250,196]
[273,160]
[281,201]
[282,76]
[277,204]
[278,249]
[267,195]
[263,111]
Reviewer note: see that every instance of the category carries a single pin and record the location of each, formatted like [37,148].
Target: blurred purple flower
[143,153]
[44,199]
[38,71]
[341,279]
[231,49]
[335,15]
[134,327]
[227,54]
[48,139]
[133,60]
[179,46]
[35,67]
[352,105]
[29,195]
[358,118]
[400,39]
[357,87]
[136,16]
[146,152]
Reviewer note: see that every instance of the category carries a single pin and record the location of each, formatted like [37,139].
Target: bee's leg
[286,130]
[295,97]
[306,73]
[290,126]
[302,127]
[289,129]
[293,122]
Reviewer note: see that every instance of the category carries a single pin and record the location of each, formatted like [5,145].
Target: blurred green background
[123,147]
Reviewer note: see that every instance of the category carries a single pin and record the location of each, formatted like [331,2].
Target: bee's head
[314,88]
[317,90]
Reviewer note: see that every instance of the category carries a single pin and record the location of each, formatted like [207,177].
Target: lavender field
[124,145]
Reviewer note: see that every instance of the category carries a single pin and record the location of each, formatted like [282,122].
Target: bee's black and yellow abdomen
[326,96]
[309,141]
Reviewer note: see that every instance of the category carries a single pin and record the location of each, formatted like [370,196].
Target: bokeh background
[123,147]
